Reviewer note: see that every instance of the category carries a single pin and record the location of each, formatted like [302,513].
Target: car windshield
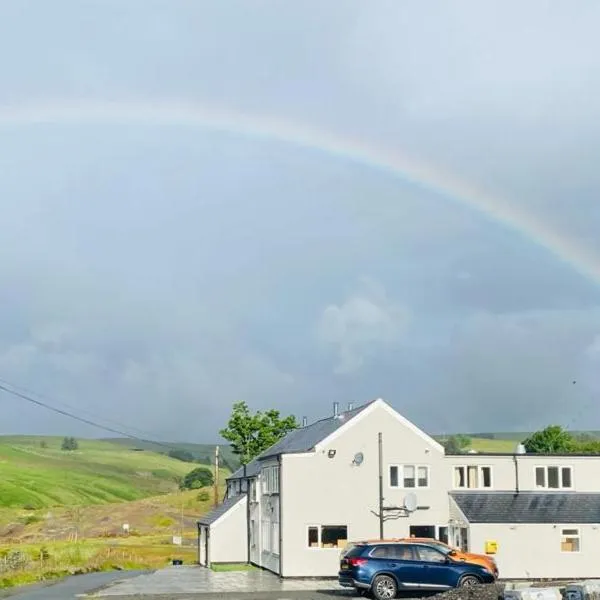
[352,550]
[440,546]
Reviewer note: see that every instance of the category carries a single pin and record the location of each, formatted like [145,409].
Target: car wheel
[468,580]
[384,587]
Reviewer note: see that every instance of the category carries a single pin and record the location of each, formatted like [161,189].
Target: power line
[28,398]
[47,399]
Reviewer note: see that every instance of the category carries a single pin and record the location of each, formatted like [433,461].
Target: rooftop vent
[304,421]
[336,409]
[350,405]
[520,449]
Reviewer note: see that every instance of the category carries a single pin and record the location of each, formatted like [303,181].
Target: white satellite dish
[410,502]
[358,459]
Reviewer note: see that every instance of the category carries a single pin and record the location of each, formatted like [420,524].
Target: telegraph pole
[216,476]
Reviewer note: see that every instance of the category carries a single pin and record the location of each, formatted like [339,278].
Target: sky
[155,271]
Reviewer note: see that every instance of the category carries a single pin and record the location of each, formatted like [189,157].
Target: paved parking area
[186,583]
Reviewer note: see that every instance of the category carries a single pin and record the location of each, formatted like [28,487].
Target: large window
[570,540]
[270,480]
[554,477]
[472,477]
[409,476]
[327,536]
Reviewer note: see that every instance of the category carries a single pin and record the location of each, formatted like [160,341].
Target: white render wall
[228,536]
[318,490]
[534,551]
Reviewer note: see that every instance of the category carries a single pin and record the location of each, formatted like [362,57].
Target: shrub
[203,496]
[198,478]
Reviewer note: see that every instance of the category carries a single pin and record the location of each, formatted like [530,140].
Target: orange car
[479,559]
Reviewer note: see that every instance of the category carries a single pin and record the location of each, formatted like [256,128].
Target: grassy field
[487,445]
[202,452]
[35,473]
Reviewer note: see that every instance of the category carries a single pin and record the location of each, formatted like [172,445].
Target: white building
[297,504]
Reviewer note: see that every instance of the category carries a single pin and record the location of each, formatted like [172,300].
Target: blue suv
[385,569]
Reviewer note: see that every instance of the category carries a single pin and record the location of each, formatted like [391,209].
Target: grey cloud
[364,323]
[160,274]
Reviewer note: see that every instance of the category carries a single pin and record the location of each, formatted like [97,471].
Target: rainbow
[429,177]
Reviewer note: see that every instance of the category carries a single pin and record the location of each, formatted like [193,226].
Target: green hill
[36,473]
[202,453]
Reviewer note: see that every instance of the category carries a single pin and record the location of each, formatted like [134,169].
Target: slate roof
[220,510]
[304,439]
[529,507]
[252,469]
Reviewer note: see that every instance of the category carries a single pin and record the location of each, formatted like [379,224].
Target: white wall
[229,536]
[318,490]
[534,551]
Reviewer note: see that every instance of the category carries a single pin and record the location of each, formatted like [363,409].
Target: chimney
[336,409]
[304,421]
[350,405]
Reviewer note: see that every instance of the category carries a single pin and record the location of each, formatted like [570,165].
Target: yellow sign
[491,547]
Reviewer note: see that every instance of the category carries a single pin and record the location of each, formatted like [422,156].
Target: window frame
[319,529]
[479,486]
[270,480]
[560,477]
[416,467]
[576,536]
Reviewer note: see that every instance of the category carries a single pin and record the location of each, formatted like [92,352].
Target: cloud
[158,274]
[365,323]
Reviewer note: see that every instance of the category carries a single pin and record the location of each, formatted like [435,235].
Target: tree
[456,444]
[182,455]
[69,443]
[552,440]
[250,434]
[198,478]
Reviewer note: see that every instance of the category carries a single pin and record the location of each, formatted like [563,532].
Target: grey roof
[306,438]
[219,511]
[252,469]
[529,507]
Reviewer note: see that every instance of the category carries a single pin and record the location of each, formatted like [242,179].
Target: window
[270,477]
[428,554]
[253,490]
[570,540]
[266,536]
[473,477]
[553,477]
[409,476]
[327,536]
[391,552]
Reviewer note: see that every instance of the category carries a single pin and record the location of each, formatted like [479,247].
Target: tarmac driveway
[70,588]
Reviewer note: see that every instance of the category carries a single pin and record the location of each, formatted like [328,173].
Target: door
[436,571]
[422,531]
[401,560]
[254,543]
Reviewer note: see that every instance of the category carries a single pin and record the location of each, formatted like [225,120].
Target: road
[70,588]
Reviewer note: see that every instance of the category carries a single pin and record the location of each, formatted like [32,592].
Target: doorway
[422,531]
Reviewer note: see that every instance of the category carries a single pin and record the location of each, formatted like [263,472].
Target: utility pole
[216,476]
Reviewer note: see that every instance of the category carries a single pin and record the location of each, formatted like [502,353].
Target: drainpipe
[280,463]
[381,519]
[516,473]
[247,513]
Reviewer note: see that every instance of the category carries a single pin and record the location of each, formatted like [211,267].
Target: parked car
[384,569]
[479,559]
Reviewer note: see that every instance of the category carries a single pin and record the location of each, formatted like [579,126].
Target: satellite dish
[358,459]
[410,502]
